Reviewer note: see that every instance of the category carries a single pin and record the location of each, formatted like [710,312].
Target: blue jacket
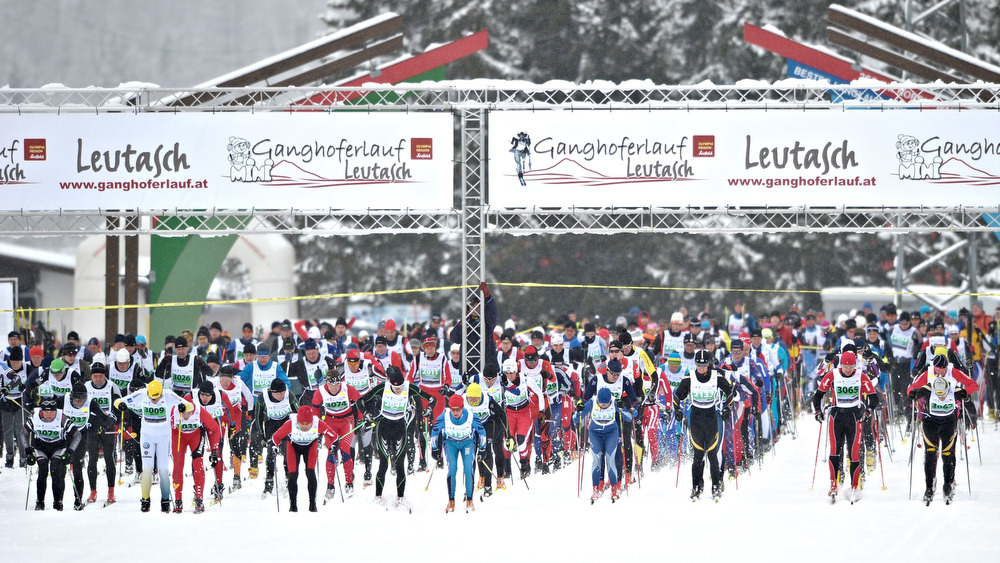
[247,374]
[478,432]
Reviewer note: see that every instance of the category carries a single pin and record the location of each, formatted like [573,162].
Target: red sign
[704,145]
[34,149]
[421,149]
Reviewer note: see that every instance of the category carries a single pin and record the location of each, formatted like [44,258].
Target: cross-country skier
[850,389]
[102,436]
[939,394]
[708,389]
[194,426]
[302,448]
[459,433]
[604,413]
[338,404]
[54,440]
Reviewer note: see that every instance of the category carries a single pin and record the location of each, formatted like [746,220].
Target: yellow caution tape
[26,311]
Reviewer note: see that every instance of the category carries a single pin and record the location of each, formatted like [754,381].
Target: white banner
[711,158]
[305,160]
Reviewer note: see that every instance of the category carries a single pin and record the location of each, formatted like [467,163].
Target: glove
[819,416]
[754,409]
[726,412]
[447,392]
[485,289]
[213,458]
[758,382]
[579,405]
[913,395]
[511,445]
[547,374]
[119,403]
[961,394]
[767,398]
[182,407]
[31,457]
[678,415]
[436,454]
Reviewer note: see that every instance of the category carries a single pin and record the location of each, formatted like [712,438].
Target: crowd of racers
[721,390]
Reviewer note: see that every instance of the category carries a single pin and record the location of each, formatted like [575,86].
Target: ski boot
[39,505]
[928,496]
[538,465]
[949,492]
[9,464]
[716,492]
[481,483]
[312,506]
[237,483]
[696,492]
[854,494]
[596,494]
[165,506]
[268,486]
[217,493]
[57,505]
[440,463]
[128,468]
[422,466]
[409,469]
[349,489]
[450,507]
[253,471]
[525,468]
[500,483]
[488,491]
[144,505]
[833,491]
[199,506]
[78,504]
[92,498]
[469,507]
[556,462]
[616,491]
[111,496]
[545,468]
[178,506]
[292,506]
[330,493]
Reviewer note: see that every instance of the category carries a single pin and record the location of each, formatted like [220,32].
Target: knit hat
[615,366]
[848,359]
[206,388]
[305,415]
[456,402]
[122,356]
[278,385]
[604,396]
[57,366]
[474,390]
[674,358]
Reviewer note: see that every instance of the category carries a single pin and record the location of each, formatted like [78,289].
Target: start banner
[304,160]
[712,158]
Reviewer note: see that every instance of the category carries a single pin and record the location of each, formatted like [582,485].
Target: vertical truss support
[473,154]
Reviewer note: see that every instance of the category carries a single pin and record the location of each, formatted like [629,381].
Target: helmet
[702,358]
[510,365]
[79,392]
[154,389]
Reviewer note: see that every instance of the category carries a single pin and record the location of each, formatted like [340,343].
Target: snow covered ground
[773,516]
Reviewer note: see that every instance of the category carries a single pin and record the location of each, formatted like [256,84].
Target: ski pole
[816,460]
[428,486]
[913,445]
[28,493]
[680,448]
[968,476]
[878,446]
[336,473]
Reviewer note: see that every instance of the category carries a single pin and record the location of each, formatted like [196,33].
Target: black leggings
[302,459]
[705,442]
[494,450]
[390,440]
[43,454]
[98,439]
[939,435]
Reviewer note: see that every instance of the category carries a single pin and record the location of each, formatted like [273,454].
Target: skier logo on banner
[242,166]
[520,145]
[912,164]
